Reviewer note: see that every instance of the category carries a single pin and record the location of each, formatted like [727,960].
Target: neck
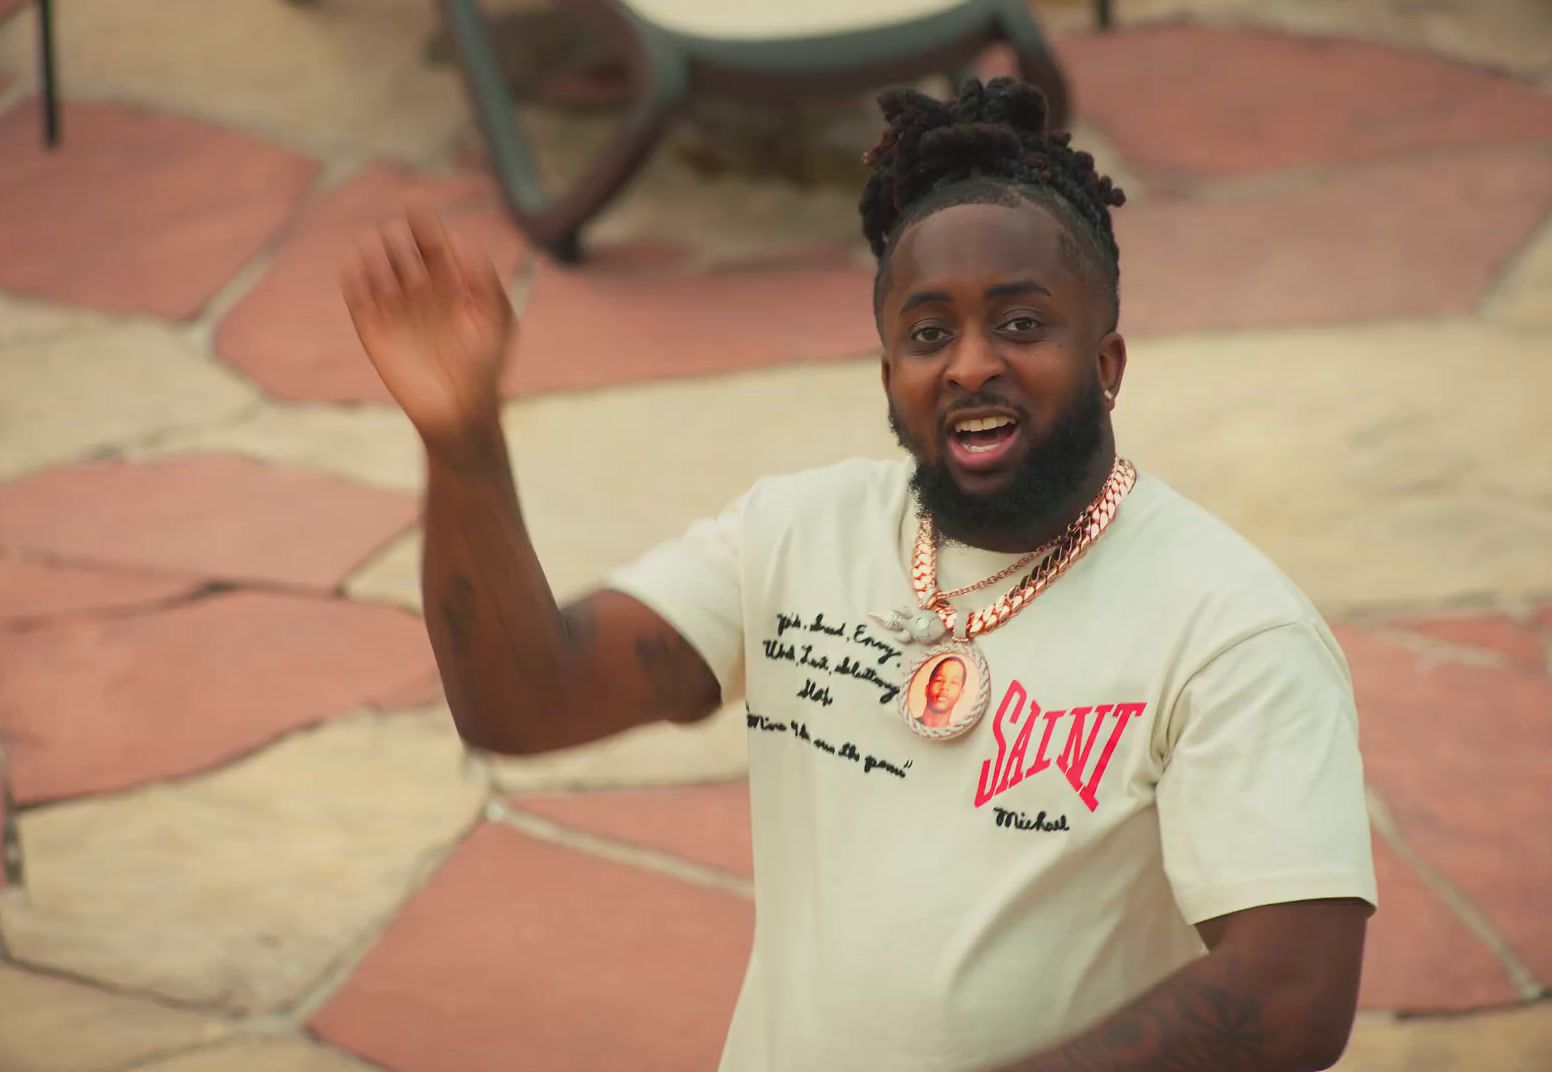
[1027,536]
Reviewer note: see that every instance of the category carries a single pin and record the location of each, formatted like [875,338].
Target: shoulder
[854,486]
[1221,586]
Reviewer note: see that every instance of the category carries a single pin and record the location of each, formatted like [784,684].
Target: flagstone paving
[69,391]
[137,211]
[54,1025]
[1242,103]
[106,703]
[249,839]
[291,334]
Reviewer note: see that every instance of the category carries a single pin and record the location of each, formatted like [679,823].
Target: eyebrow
[1000,290]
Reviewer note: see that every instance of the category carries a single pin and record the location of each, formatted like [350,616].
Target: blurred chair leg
[46,61]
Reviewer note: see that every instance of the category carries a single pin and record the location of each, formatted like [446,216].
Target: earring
[1109,395]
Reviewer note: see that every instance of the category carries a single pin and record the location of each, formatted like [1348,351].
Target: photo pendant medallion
[947,690]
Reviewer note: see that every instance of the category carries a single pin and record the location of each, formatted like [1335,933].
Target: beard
[1053,469]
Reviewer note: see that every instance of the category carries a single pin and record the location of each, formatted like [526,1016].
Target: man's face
[995,349]
[945,685]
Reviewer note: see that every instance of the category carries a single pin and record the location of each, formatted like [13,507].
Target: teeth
[981,424]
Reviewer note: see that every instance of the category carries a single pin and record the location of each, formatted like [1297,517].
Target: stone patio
[242,835]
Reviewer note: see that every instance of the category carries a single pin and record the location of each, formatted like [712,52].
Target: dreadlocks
[988,147]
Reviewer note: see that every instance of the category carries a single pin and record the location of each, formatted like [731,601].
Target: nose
[973,363]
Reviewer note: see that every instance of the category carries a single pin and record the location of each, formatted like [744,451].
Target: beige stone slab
[1385,465]
[374,445]
[604,475]
[346,76]
[53,1025]
[1524,298]
[241,889]
[65,394]
[713,750]
[392,576]
[676,451]
[1512,1040]
[27,319]
[285,1054]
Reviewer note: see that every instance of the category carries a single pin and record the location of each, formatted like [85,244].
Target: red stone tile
[217,515]
[1377,242]
[522,954]
[291,333]
[422,692]
[592,326]
[1418,956]
[1461,753]
[708,824]
[1217,102]
[135,211]
[96,705]
[1499,634]
[32,588]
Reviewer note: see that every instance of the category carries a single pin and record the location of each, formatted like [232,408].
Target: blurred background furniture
[756,50]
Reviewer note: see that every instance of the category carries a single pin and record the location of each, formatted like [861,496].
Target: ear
[1111,366]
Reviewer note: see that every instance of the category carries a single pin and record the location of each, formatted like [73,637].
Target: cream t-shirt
[1170,737]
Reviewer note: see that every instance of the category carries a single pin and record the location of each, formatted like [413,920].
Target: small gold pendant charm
[947,691]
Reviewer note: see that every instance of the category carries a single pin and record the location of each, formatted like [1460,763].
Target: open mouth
[979,443]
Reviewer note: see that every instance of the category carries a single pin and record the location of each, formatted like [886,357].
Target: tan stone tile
[241,889]
[1524,298]
[392,576]
[24,319]
[260,1055]
[345,76]
[51,1025]
[1511,1040]
[1393,464]
[606,474]
[371,444]
[65,394]
[661,754]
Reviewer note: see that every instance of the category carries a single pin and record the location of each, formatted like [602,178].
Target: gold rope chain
[1070,546]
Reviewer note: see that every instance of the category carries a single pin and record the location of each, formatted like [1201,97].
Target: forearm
[1225,1012]
[499,638]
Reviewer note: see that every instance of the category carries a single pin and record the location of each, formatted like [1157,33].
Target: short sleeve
[694,582]
[1261,800]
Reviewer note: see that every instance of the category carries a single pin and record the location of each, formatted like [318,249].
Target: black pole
[1104,13]
[46,61]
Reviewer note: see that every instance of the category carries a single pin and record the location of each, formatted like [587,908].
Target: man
[943,690]
[1148,850]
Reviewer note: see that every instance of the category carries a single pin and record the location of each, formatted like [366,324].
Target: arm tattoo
[661,658]
[1185,1026]
[458,613]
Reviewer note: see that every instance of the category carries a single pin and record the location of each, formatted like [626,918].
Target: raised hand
[437,326]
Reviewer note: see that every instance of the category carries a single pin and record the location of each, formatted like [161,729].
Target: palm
[436,325]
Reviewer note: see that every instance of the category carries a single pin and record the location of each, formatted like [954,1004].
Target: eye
[928,334]
[1021,324]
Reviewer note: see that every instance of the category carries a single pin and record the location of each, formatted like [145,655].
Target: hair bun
[994,130]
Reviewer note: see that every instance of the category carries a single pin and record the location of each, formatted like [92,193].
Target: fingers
[404,258]
[477,272]
[431,243]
